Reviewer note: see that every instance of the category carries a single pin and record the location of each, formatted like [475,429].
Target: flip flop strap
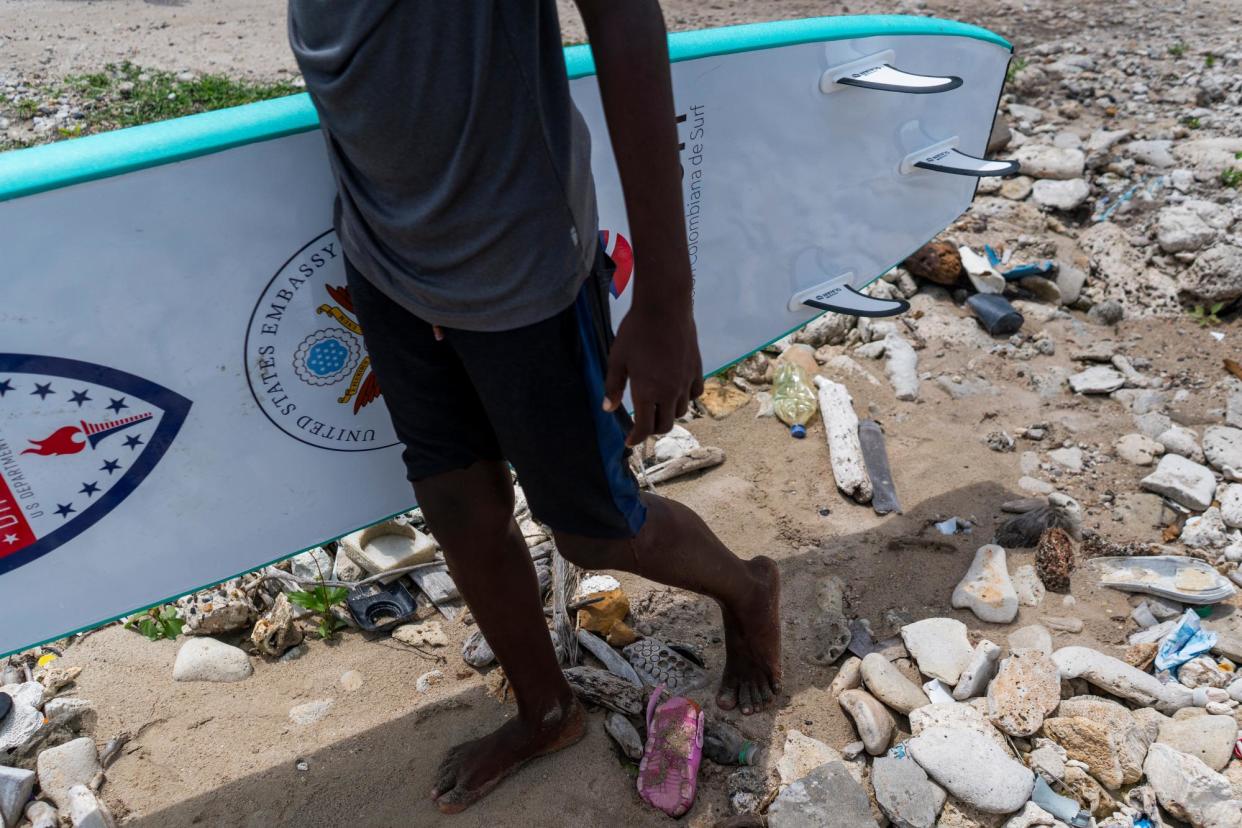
[652,703]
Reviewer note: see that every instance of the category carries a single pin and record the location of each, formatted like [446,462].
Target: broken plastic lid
[1184,579]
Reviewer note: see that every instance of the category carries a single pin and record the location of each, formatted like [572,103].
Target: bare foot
[472,769]
[752,673]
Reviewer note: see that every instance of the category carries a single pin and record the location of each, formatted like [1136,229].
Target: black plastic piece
[994,312]
[380,607]
[6,704]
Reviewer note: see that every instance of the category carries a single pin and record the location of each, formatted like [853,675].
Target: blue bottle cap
[798,431]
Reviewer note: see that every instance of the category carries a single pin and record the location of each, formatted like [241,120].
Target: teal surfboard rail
[75,161]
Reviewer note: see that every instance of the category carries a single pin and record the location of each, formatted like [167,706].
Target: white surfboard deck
[183,395]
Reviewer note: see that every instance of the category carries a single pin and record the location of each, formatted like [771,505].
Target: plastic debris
[793,398]
[1046,268]
[377,607]
[1187,640]
[875,457]
[938,692]
[954,526]
[724,744]
[1061,807]
[1181,578]
[995,314]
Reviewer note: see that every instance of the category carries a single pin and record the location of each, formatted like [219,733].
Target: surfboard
[184,392]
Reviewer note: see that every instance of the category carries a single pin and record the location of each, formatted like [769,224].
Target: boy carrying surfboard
[467,213]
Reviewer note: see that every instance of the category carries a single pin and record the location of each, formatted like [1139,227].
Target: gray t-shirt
[463,167]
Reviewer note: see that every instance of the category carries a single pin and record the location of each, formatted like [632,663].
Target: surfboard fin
[945,157]
[839,296]
[877,72]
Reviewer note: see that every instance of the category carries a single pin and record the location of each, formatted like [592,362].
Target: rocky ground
[1115,412]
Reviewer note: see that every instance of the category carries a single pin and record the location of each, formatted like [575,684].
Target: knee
[593,553]
[473,503]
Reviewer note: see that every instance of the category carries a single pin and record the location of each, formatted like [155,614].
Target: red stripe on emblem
[15,532]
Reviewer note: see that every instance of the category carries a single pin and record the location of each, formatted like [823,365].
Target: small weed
[1209,60]
[320,600]
[1177,49]
[1015,66]
[27,108]
[1206,316]
[157,623]
[1231,177]
[1191,122]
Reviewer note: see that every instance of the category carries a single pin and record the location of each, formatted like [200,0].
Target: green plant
[1177,49]
[27,108]
[1015,66]
[1192,122]
[320,600]
[157,623]
[1209,60]
[1231,177]
[1207,316]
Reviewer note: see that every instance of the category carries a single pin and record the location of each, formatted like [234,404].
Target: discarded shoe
[1184,579]
[657,663]
[669,773]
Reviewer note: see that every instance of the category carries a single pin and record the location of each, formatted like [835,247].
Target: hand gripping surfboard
[185,394]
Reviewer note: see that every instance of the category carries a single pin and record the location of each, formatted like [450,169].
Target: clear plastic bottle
[724,744]
[793,398]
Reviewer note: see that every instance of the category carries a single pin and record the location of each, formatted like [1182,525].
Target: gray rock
[1231,506]
[973,768]
[1183,441]
[1216,275]
[24,719]
[1033,637]
[906,796]
[801,755]
[1108,312]
[1031,816]
[41,815]
[1061,195]
[624,734]
[748,790]
[981,670]
[1043,161]
[1154,153]
[1190,790]
[206,659]
[957,716]
[16,785]
[86,810]
[310,712]
[1070,458]
[888,685]
[312,565]
[871,719]
[1098,379]
[476,651]
[939,646]
[827,797]
[1180,229]
[986,589]
[62,767]
[1030,589]
[1183,481]
[1208,738]
[1222,446]
[1026,689]
[1120,679]
[1070,281]
[422,634]
[1139,449]
[1104,736]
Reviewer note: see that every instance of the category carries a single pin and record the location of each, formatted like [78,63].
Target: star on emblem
[65,509]
[110,466]
[42,390]
[79,397]
[10,539]
[133,441]
[89,489]
[117,405]
[5,386]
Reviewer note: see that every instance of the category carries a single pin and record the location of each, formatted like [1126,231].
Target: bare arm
[656,347]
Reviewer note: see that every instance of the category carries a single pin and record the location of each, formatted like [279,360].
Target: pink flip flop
[669,773]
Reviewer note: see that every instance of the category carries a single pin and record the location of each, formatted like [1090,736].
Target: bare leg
[471,513]
[676,547]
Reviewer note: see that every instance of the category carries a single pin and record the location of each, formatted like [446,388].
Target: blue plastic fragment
[1045,268]
[1188,640]
[897,751]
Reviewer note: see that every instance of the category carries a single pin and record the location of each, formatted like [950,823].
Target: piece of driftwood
[436,583]
[875,456]
[700,457]
[565,578]
[606,690]
[841,427]
[610,658]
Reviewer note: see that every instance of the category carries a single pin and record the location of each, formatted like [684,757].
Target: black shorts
[531,396]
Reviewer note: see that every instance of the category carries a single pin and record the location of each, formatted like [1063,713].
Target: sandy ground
[228,755]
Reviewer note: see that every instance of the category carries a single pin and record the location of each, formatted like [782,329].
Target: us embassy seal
[306,363]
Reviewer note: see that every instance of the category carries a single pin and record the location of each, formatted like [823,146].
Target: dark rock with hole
[1055,559]
[937,262]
